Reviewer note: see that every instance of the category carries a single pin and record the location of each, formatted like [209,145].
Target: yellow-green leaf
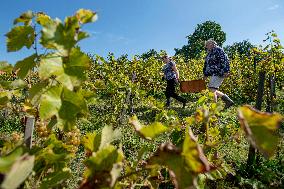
[184,164]
[70,71]
[91,141]
[170,156]
[194,156]
[149,132]
[104,160]
[56,35]
[260,129]
[7,161]
[24,66]
[25,18]
[86,16]
[50,102]
[43,19]
[108,136]
[20,170]
[50,65]
[4,99]
[19,37]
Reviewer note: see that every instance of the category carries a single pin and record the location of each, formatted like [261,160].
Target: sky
[136,26]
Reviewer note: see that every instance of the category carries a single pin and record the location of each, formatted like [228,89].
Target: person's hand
[177,80]
[226,74]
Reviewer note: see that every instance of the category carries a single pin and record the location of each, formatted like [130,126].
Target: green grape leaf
[108,136]
[7,161]
[170,156]
[260,129]
[51,65]
[201,100]
[75,66]
[214,175]
[194,156]
[104,159]
[77,61]
[221,172]
[86,16]
[25,18]
[184,164]
[55,35]
[54,179]
[43,19]
[82,35]
[91,141]
[18,84]
[70,71]
[147,132]
[19,37]
[54,152]
[29,109]
[104,167]
[24,66]
[50,102]
[13,85]
[66,105]
[51,123]
[73,105]
[5,67]
[3,100]
[36,91]
[20,170]
[5,84]
[66,125]
[74,102]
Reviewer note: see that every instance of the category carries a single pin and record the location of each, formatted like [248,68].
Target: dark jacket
[216,63]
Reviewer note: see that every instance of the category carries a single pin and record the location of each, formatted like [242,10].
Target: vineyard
[75,120]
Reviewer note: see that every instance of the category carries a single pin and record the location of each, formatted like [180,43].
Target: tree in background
[241,48]
[150,53]
[153,53]
[203,32]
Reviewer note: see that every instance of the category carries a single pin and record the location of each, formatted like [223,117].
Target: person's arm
[175,70]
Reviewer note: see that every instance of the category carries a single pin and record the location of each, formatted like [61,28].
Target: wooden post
[260,90]
[134,77]
[271,94]
[252,151]
[30,122]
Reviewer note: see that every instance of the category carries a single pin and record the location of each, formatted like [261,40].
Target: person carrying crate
[171,75]
[217,67]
